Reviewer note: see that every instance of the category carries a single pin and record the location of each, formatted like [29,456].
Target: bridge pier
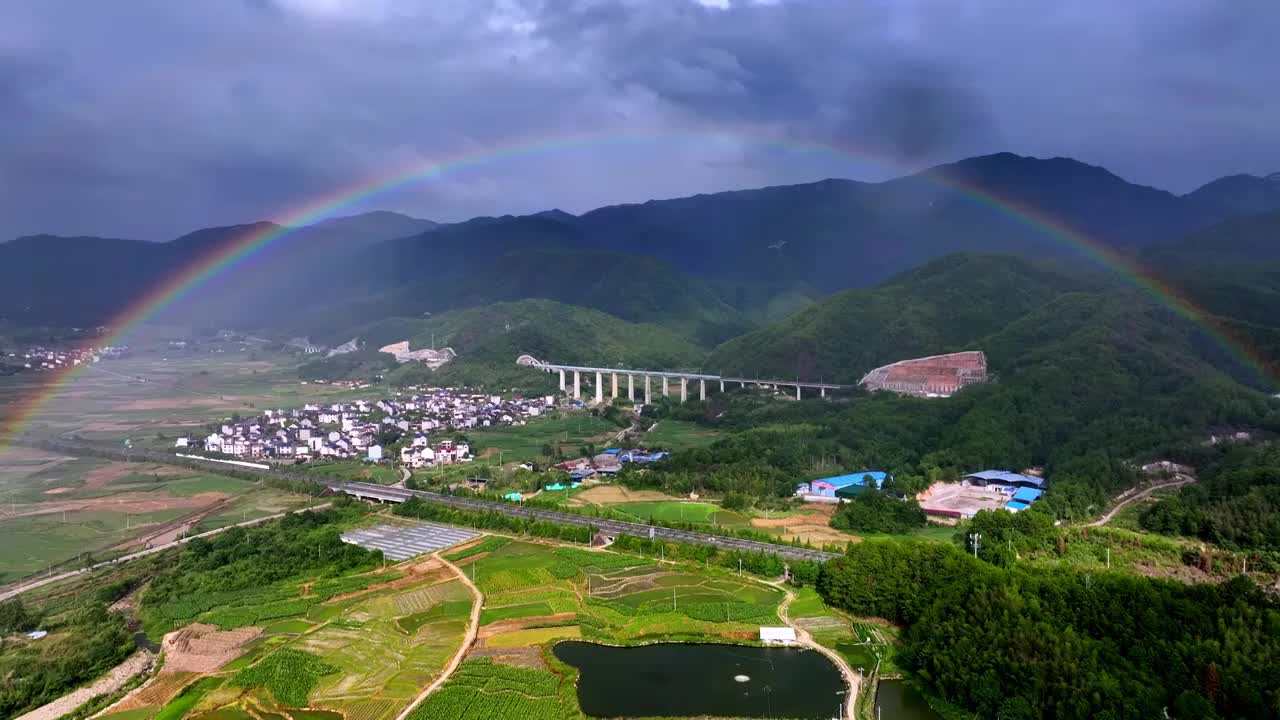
[702,390]
[631,388]
[822,392]
[666,391]
[684,389]
[648,397]
[721,385]
[577,385]
[599,388]
[797,392]
[562,381]
[615,387]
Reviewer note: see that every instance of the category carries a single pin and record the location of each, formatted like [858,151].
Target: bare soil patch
[157,691]
[813,526]
[616,494]
[204,648]
[58,490]
[107,474]
[134,503]
[506,626]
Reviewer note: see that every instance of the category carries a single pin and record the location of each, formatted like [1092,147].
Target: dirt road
[1182,480]
[472,629]
[852,678]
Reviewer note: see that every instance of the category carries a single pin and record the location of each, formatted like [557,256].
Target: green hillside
[489,338]
[943,306]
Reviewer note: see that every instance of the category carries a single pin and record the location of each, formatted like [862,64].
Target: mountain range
[709,266]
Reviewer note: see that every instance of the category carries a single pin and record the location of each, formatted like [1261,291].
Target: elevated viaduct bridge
[665,376]
[385,494]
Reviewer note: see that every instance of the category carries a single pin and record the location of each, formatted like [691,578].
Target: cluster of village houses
[352,430]
[40,359]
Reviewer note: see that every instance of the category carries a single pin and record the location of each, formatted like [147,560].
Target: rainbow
[231,254]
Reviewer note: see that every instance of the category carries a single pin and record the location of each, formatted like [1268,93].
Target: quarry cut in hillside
[933,376]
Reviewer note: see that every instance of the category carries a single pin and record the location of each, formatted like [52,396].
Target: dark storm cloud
[149,118]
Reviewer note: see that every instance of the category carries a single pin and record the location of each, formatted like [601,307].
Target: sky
[151,118]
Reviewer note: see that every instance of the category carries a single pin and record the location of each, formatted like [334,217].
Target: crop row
[289,674]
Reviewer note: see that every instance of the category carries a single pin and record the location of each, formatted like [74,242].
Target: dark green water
[688,680]
[897,700]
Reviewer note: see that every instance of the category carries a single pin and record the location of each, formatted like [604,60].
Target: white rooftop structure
[777,635]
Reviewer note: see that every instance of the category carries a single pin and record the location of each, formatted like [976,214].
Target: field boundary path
[113,680]
[852,678]
[473,628]
[14,592]
[1182,480]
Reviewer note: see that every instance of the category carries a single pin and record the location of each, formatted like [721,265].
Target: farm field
[570,430]
[85,507]
[355,470]
[683,512]
[381,639]
[676,435]
[611,596]
[166,393]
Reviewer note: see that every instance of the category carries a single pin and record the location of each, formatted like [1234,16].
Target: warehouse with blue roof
[843,485]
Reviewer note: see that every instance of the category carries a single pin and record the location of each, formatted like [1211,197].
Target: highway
[384,493]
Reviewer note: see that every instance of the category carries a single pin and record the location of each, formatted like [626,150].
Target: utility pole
[1108,558]
[974,538]
[739,567]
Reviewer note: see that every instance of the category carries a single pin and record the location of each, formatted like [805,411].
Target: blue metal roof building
[1004,477]
[1015,506]
[829,487]
[1027,495]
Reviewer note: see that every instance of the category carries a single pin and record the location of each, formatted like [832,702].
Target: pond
[896,700]
[689,680]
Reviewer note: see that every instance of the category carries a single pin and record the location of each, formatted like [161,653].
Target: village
[43,359]
[362,430]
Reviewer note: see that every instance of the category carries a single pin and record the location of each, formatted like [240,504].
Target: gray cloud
[148,118]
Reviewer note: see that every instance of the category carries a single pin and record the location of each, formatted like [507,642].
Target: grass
[520,443]
[533,636]
[511,612]
[287,627]
[34,543]
[688,512]
[187,487]
[383,474]
[676,435]
[187,699]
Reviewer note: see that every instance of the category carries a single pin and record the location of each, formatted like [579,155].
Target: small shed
[777,635]
[1015,506]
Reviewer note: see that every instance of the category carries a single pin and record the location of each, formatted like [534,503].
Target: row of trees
[1023,643]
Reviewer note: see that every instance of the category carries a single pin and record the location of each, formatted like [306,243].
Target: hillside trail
[852,678]
[1182,480]
[473,628]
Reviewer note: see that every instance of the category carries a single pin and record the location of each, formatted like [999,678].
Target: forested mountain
[944,306]
[489,338]
[827,235]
